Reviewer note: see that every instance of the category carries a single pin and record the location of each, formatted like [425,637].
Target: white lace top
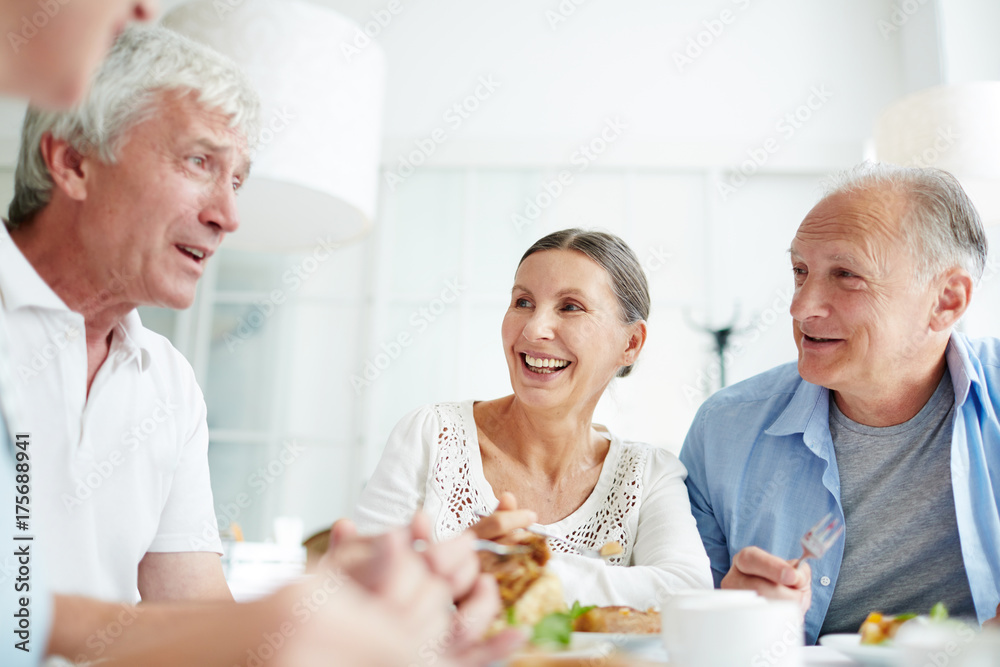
[432,461]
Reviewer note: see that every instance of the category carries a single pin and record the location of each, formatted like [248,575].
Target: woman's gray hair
[942,227]
[628,280]
[144,63]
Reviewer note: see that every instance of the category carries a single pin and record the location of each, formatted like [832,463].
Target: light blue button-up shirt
[762,470]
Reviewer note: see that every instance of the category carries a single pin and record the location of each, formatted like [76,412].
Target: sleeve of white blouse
[396,489]
[668,554]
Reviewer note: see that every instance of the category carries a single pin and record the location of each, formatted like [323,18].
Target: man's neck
[78,280]
[57,260]
[889,406]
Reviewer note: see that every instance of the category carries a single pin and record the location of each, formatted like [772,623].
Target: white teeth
[194,251]
[545,363]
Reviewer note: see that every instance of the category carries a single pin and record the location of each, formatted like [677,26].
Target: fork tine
[819,525]
[833,531]
[501,549]
[818,539]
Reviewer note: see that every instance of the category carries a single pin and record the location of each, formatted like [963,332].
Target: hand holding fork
[818,539]
[774,577]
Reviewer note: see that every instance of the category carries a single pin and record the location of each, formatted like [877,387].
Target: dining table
[653,654]
[812,656]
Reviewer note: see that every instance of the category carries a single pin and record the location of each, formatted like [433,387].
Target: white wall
[662,183]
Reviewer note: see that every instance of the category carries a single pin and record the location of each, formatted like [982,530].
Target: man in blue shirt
[888,420]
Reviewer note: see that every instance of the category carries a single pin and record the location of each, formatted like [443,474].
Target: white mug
[716,628]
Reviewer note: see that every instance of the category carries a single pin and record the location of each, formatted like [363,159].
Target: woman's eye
[572,306]
[197,161]
[798,271]
[522,303]
[846,274]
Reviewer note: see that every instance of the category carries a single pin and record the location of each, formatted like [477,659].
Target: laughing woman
[577,319]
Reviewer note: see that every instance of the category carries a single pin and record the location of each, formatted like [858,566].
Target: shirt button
[825,580]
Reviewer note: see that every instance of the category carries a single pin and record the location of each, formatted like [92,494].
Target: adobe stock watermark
[101,640]
[899,16]
[778,652]
[786,127]
[293,278]
[944,139]
[453,117]
[47,352]
[420,320]
[302,611]
[742,338]
[562,12]
[704,39]
[31,25]
[129,442]
[433,650]
[259,481]
[553,188]
[656,260]
[223,7]
[363,35]
[279,121]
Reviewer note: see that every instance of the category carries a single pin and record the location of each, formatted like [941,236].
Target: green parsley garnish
[555,629]
[939,612]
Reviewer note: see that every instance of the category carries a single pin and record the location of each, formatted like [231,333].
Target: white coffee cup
[731,629]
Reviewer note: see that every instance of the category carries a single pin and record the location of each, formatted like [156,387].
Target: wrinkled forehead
[871,221]
[181,117]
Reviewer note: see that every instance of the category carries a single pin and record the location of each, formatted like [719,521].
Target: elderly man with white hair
[119,203]
[371,589]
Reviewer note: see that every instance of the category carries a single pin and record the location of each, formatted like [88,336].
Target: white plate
[629,643]
[868,655]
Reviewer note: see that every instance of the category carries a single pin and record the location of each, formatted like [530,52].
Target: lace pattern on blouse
[462,501]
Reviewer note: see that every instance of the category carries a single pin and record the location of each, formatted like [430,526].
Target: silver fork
[500,549]
[818,539]
[538,529]
[483,545]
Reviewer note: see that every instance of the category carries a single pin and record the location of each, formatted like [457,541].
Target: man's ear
[636,340]
[954,291]
[65,165]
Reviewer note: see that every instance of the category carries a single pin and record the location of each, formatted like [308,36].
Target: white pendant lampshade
[955,128]
[315,171]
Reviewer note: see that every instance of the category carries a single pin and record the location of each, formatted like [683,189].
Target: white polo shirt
[117,474]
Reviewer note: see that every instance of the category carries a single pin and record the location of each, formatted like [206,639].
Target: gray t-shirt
[902,552]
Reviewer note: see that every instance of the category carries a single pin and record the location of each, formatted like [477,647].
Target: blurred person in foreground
[52,47]
[576,320]
[51,65]
[120,202]
[375,603]
[888,421]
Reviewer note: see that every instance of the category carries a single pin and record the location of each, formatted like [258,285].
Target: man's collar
[20,284]
[131,341]
[960,365]
[811,402]
[807,401]
[22,287]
